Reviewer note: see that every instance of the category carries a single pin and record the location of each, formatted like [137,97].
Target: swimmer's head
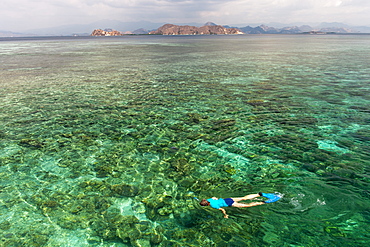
[204,202]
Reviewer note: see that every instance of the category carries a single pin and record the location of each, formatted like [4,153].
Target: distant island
[211,28]
[170,29]
[106,32]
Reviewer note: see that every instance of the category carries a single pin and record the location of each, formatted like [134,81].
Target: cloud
[28,14]
[288,11]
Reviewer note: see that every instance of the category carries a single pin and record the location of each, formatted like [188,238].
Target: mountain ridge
[146,26]
[208,28]
[212,28]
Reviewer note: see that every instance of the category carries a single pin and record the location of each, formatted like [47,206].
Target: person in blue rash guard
[219,203]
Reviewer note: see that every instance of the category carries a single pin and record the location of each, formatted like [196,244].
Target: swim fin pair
[270,196]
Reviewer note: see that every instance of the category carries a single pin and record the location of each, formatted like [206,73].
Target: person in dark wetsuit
[217,203]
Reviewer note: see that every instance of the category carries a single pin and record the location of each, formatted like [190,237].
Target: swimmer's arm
[224,212]
[214,198]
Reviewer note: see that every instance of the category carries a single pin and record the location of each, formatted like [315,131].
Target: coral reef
[109,142]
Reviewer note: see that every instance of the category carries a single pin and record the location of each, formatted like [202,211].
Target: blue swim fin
[271,197]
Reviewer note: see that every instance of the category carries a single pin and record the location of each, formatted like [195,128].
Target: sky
[20,15]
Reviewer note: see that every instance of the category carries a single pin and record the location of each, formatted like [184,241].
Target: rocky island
[171,29]
[106,32]
[212,28]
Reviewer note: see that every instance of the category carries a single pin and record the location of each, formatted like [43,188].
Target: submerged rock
[222,124]
[362,135]
[182,166]
[33,143]
[272,239]
[125,190]
[156,238]
[196,117]
[141,243]
[310,167]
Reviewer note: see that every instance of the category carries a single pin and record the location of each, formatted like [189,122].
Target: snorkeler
[216,203]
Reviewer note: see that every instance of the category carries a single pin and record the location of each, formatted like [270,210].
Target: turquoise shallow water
[105,141]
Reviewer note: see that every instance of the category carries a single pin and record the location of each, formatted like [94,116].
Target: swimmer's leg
[242,205]
[247,197]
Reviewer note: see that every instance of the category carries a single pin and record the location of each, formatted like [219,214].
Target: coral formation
[109,145]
